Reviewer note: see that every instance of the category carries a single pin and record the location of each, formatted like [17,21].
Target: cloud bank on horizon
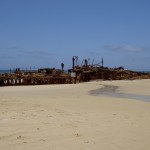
[126,48]
[46,33]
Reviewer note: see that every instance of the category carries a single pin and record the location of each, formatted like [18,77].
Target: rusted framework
[83,73]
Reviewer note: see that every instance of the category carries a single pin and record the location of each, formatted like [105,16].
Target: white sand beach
[98,115]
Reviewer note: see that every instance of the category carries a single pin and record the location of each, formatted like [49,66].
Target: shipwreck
[78,73]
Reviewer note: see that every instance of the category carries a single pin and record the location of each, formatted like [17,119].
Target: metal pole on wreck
[73,59]
[62,68]
[102,63]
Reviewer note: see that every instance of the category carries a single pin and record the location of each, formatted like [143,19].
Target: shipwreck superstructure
[78,73]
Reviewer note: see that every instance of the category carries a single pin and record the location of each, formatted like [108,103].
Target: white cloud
[129,48]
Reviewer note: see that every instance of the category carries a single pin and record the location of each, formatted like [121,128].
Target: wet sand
[86,116]
[110,90]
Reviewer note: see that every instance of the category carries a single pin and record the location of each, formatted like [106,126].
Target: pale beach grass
[73,117]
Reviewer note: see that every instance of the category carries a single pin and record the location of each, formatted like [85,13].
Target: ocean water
[6,71]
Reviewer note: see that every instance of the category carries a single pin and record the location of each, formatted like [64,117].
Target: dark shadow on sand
[110,90]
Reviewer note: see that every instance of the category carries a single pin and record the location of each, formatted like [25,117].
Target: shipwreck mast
[102,63]
[74,61]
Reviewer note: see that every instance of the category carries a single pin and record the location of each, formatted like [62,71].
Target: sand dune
[86,116]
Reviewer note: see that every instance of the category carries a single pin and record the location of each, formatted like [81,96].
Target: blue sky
[45,33]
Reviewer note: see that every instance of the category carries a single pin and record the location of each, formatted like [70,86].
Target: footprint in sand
[42,140]
[77,135]
[20,137]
